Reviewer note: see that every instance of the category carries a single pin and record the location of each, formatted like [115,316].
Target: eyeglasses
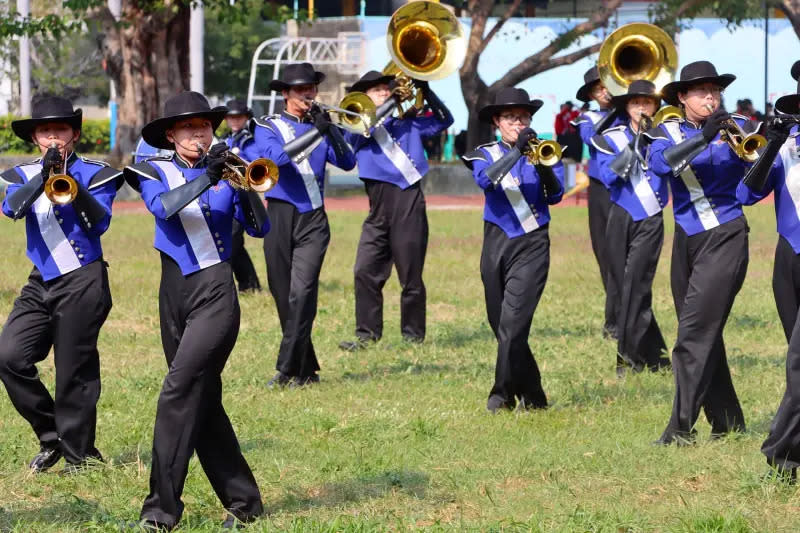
[522,119]
[702,91]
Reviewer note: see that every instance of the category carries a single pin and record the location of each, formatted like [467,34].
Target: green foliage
[95,138]
[733,12]
[229,50]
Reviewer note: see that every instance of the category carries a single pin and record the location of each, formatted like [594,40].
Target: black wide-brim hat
[790,103]
[695,73]
[635,89]
[188,104]
[297,74]
[50,109]
[369,80]
[590,77]
[238,107]
[509,97]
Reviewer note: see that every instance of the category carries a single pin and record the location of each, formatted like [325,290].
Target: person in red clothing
[566,133]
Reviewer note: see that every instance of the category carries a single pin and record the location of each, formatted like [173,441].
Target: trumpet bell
[262,175]
[546,153]
[426,41]
[634,52]
[361,116]
[61,189]
[747,147]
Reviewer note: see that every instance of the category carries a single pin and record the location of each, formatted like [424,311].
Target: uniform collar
[294,118]
[692,125]
[506,145]
[182,163]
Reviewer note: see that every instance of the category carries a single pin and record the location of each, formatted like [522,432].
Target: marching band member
[237,118]
[710,248]
[66,299]
[516,245]
[589,123]
[198,307]
[296,246]
[635,230]
[781,446]
[391,163]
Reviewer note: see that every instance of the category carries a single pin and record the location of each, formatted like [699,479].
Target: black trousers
[394,232]
[708,270]
[242,265]
[786,285]
[599,205]
[633,252]
[294,250]
[514,273]
[782,446]
[199,324]
[65,313]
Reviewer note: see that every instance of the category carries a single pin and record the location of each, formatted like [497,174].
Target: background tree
[146,50]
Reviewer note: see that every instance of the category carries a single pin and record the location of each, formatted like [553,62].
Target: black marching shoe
[92,460]
[411,339]
[356,345]
[663,363]
[610,332]
[780,474]
[678,438]
[144,525]
[304,381]
[497,403]
[231,522]
[45,459]
[279,380]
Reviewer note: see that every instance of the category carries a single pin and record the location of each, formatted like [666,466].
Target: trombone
[744,145]
[355,113]
[60,189]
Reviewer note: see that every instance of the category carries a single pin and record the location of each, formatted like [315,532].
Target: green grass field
[398,437]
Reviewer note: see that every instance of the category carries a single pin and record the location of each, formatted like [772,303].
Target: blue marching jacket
[237,142]
[586,129]
[393,153]
[644,193]
[300,184]
[57,242]
[517,204]
[199,235]
[704,194]
[784,179]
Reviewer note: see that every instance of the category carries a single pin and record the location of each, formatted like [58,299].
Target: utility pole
[24,9]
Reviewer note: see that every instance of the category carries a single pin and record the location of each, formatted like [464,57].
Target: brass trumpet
[744,145]
[543,152]
[259,176]
[60,189]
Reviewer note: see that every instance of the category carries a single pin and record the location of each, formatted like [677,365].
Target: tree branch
[791,9]
[499,24]
[543,59]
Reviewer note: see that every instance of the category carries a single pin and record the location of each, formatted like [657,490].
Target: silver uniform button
[77,249]
[219,241]
[60,220]
[56,212]
[221,249]
[80,256]
[216,234]
[72,242]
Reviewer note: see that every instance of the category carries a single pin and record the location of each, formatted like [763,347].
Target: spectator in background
[460,143]
[566,133]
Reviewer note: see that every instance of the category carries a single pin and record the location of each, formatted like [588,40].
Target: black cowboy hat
[790,103]
[695,73]
[49,109]
[188,104]
[509,97]
[590,77]
[369,80]
[297,74]
[238,107]
[636,88]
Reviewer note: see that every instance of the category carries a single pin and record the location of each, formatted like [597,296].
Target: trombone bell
[634,52]
[61,189]
[426,41]
[360,116]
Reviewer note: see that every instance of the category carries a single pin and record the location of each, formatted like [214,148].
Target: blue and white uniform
[515,261]
[634,237]
[63,305]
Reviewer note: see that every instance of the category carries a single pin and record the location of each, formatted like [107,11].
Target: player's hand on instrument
[52,161]
[422,85]
[216,162]
[714,123]
[524,137]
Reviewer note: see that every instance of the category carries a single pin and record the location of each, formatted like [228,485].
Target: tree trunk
[148,61]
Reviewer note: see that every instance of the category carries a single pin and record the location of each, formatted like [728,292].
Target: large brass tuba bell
[637,51]
[426,41]
[60,189]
